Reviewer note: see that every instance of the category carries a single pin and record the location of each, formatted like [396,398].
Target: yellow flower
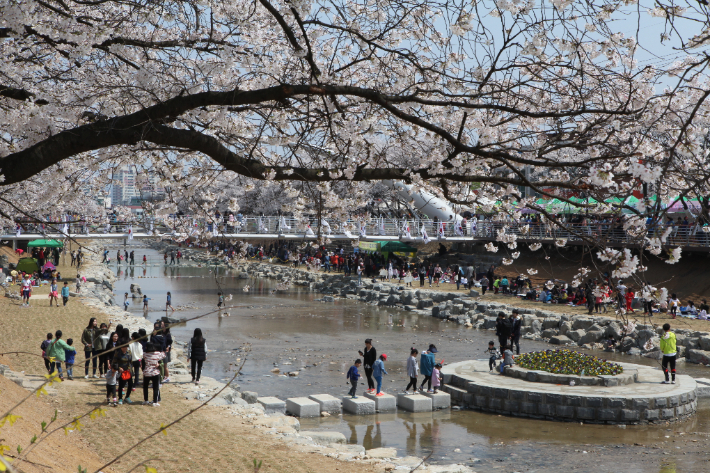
[8,418]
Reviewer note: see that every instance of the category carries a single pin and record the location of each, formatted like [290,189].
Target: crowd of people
[119,357]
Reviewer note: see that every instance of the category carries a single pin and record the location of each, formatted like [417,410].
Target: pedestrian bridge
[374,229]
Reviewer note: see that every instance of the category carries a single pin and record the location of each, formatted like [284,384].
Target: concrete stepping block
[360,406]
[703,387]
[383,403]
[302,407]
[328,403]
[440,400]
[324,438]
[414,402]
[272,405]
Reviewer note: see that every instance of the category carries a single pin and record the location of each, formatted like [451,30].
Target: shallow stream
[292,332]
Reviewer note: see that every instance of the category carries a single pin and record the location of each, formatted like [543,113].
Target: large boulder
[576,335]
[536,326]
[698,356]
[559,340]
[425,303]
[582,323]
[644,335]
[550,323]
[704,343]
[565,327]
[593,336]
[614,330]
[549,333]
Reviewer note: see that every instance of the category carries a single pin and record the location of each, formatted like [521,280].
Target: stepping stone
[414,402]
[328,403]
[383,403]
[302,407]
[703,387]
[359,406]
[324,438]
[440,400]
[272,405]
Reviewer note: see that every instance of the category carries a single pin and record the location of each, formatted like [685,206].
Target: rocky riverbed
[471,310]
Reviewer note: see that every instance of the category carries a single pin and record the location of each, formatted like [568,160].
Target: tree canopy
[600,97]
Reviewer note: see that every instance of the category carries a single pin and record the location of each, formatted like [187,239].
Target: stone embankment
[469,309]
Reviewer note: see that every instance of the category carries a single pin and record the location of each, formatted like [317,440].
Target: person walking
[673,304]
[151,373]
[196,354]
[368,357]
[353,376]
[57,350]
[670,350]
[111,381]
[412,370]
[503,330]
[53,293]
[122,362]
[133,257]
[44,347]
[87,339]
[101,343]
[65,293]
[436,377]
[136,349]
[427,366]
[69,356]
[26,290]
[378,369]
[484,285]
[168,302]
[516,326]
[172,257]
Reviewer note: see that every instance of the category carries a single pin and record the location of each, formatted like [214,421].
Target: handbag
[126,375]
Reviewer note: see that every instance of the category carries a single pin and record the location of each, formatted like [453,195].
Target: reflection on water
[320,340]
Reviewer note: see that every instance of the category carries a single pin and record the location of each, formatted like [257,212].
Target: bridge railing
[488,230]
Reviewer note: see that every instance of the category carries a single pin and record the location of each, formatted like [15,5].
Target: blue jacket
[378,368]
[427,364]
[353,374]
[69,356]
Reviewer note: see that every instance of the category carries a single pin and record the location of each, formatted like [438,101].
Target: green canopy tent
[575,209]
[27,265]
[45,244]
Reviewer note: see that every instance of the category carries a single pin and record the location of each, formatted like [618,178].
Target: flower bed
[567,362]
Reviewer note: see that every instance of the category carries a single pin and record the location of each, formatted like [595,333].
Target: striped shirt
[151,359]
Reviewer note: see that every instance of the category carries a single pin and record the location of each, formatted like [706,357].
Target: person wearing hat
[427,366]
[368,358]
[517,323]
[378,369]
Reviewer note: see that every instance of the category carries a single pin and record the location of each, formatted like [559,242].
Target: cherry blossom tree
[472,100]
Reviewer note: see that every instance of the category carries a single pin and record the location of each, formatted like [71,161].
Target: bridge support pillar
[14,244]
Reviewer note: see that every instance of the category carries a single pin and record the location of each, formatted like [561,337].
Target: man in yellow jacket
[668,347]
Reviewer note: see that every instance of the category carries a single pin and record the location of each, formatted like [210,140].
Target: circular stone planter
[536,376]
[472,385]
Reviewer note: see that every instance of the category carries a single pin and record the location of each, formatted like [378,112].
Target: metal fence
[603,233]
